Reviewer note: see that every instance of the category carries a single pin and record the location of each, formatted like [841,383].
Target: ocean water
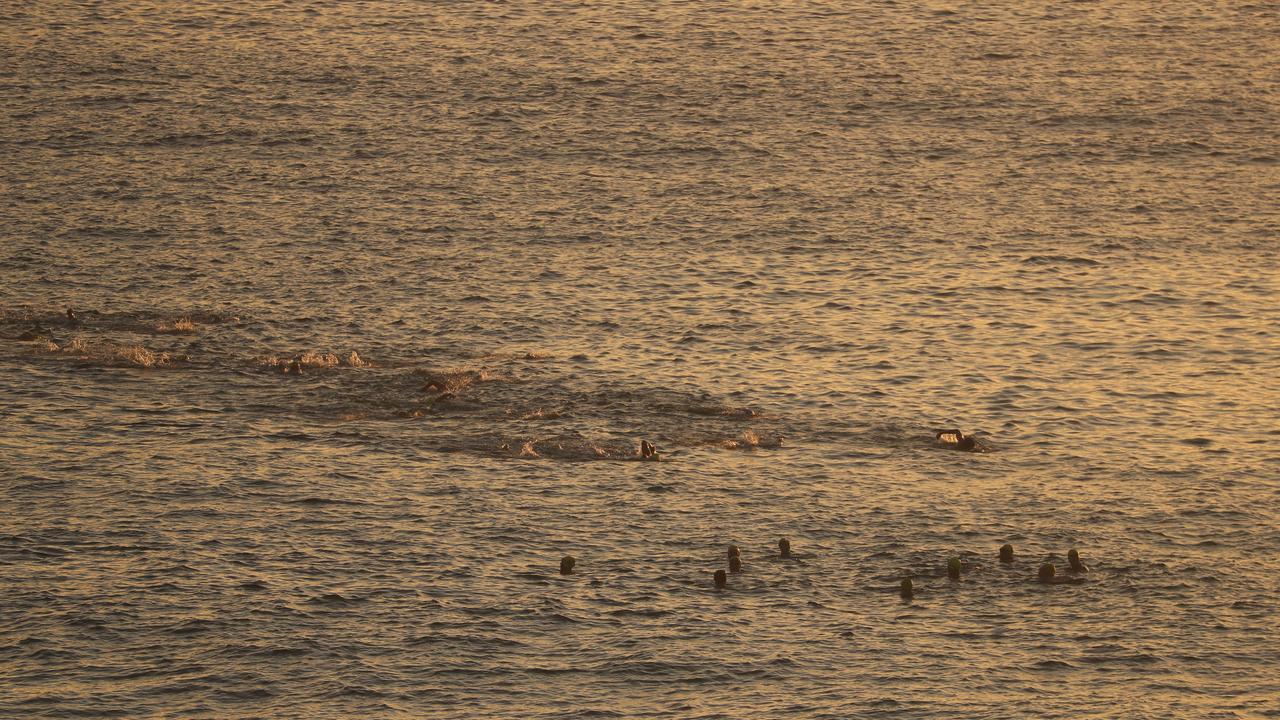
[501,243]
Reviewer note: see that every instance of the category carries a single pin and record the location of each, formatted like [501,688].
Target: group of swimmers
[735,561]
[1047,574]
[951,439]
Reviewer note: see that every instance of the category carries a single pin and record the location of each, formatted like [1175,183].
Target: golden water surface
[375,301]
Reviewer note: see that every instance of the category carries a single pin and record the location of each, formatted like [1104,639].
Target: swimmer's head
[721,579]
[1047,571]
[953,568]
[734,551]
[1006,553]
[784,548]
[735,563]
[1073,557]
[906,590]
[566,564]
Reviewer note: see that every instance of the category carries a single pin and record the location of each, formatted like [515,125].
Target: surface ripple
[374,304]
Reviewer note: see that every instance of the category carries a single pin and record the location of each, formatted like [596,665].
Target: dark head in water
[953,568]
[648,451]
[1073,558]
[294,368]
[566,564]
[1047,571]
[784,548]
[735,564]
[734,551]
[956,440]
[72,318]
[906,590]
[1006,553]
[721,579]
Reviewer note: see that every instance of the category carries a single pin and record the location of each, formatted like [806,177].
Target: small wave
[707,410]
[196,626]
[1055,259]
[634,612]
[335,599]
[1125,659]
[148,322]
[323,501]
[1053,665]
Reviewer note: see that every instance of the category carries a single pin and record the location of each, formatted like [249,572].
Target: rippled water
[505,242]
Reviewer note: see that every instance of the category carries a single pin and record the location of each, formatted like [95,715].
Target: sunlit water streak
[506,242]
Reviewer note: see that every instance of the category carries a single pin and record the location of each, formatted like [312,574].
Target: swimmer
[72,319]
[956,440]
[1073,558]
[735,564]
[295,368]
[648,451]
[734,552]
[906,590]
[953,568]
[1049,575]
[35,333]
[566,564]
[784,553]
[721,579]
[1006,553]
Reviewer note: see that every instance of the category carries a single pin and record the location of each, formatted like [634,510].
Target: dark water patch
[53,655]
[336,600]
[465,640]
[1128,659]
[638,612]
[345,690]
[242,696]
[1053,665]
[196,626]
[313,501]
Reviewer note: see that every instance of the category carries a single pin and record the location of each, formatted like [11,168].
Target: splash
[181,326]
[750,440]
[452,381]
[311,360]
[110,354]
[570,446]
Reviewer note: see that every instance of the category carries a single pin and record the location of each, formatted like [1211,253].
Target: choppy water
[507,241]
